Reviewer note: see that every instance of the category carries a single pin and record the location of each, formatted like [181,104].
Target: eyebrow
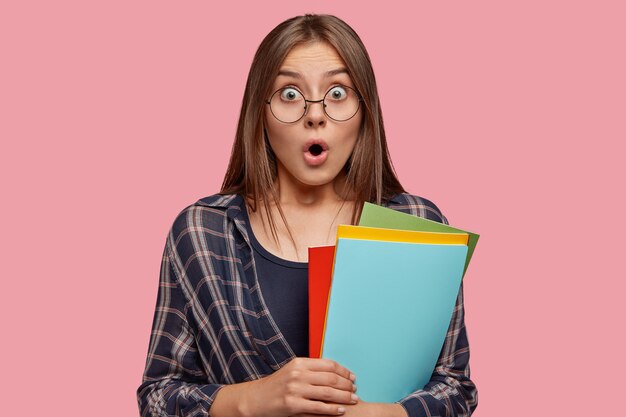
[297,75]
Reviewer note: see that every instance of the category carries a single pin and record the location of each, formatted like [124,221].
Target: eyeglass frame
[306,105]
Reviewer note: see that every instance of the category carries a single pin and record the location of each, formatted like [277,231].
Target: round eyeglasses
[340,103]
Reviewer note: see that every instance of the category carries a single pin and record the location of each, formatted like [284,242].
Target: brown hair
[252,168]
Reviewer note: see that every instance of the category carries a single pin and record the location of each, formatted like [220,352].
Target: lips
[315,152]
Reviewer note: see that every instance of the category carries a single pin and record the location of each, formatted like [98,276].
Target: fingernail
[352,377]
[353,388]
[341,410]
[354,398]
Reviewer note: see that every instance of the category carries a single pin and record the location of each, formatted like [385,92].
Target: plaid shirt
[211,326]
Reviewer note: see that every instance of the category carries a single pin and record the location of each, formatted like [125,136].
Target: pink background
[511,117]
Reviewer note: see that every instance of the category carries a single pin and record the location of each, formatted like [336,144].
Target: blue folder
[389,309]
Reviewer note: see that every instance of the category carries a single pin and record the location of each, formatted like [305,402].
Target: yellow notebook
[394,235]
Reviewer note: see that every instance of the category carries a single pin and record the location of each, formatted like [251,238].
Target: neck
[311,215]
[294,193]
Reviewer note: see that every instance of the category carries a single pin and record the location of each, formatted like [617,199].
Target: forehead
[312,59]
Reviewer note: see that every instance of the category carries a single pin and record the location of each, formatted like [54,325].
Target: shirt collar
[222,201]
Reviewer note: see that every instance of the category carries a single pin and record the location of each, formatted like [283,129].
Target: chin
[316,180]
[316,183]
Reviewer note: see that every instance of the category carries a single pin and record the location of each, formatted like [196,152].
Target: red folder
[320,272]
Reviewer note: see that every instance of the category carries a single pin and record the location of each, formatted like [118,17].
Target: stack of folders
[381,299]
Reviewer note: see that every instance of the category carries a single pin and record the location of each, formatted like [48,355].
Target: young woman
[230,331]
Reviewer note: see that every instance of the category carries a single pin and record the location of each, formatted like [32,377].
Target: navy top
[285,289]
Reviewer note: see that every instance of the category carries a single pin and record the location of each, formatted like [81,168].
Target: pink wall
[113,117]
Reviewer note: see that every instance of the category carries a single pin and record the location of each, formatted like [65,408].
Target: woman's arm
[174,380]
[450,391]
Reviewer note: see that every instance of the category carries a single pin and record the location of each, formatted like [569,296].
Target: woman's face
[313,150]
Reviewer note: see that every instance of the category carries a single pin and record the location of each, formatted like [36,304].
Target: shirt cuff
[422,405]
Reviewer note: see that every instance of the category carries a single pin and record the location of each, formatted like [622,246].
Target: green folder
[377,216]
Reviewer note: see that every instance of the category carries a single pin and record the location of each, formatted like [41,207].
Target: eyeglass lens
[289,105]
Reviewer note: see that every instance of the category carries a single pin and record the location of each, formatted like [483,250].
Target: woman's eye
[337,93]
[290,94]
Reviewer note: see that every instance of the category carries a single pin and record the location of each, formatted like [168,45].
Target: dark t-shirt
[284,286]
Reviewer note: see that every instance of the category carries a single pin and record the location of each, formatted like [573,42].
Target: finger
[329,394]
[330,379]
[315,408]
[308,415]
[328,365]
[318,415]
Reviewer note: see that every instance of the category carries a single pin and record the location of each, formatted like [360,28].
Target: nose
[315,114]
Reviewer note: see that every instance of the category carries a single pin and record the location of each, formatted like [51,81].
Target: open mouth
[316,149]
[315,152]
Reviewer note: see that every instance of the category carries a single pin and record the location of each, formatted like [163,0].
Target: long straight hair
[252,168]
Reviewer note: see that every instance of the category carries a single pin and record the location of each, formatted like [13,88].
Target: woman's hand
[363,409]
[303,386]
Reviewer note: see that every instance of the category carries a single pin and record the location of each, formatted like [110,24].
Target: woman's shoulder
[417,206]
[202,235]
[207,214]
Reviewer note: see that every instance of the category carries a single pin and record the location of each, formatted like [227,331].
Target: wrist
[231,401]
[390,410]
[397,410]
[245,399]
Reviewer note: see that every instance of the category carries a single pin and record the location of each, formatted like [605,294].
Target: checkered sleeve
[174,381]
